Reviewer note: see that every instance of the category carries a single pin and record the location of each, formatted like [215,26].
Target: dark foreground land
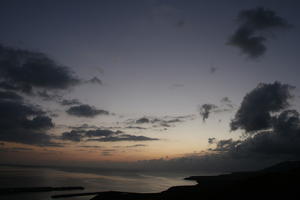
[279,181]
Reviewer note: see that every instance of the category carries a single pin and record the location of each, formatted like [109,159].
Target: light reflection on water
[102,181]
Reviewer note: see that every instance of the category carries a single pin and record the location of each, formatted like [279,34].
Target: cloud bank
[102,135]
[23,123]
[23,70]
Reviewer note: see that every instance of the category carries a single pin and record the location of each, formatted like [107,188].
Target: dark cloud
[273,132]
[83,127]
[101,135]
[48,96]
[11,86]
[142,120]
[85,110]
[252,32]
[8,95]
[23,70]
[264,146]
[124,137]
[280,143]
[87,146]
[261,19]
[249,44]
[39,123]
[257,107]
[73,135]
[160,122]
[136,145]
[70,102]
[206,109]
[23,123]
[14,149]
[79,135]
[107,152]
[211,140]
[226,145]
[282,140]
[136,127]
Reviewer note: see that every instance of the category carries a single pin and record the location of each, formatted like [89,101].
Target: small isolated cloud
[206,109]
[254,29]
[85,110]
[257,107]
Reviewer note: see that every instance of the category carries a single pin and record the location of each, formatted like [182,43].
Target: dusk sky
[149,80]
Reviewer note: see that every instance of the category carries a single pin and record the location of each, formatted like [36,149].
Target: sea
[96,181]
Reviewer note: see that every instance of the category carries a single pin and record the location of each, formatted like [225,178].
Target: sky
[188,84]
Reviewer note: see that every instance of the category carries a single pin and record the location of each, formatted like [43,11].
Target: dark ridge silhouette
[5,191]
[278,181]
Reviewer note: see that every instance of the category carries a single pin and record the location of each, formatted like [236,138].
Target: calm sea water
[93,182]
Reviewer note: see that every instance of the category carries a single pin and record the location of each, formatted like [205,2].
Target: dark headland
[279,181]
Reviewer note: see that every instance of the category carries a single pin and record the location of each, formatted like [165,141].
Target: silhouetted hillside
[278,181]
